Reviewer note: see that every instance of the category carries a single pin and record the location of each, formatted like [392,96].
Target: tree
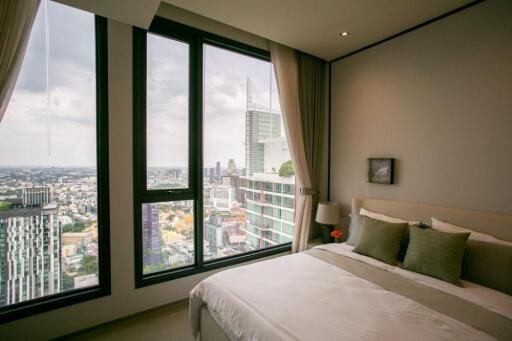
[5,205]
[74,227]
[68,282]
[286,169]
[89,265]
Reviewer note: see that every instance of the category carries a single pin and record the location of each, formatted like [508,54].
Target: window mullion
[197,117]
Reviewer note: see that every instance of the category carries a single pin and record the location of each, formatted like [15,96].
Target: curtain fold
[16,20]
[300,82]
[312,90]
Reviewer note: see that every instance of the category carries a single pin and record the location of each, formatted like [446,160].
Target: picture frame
[380,170]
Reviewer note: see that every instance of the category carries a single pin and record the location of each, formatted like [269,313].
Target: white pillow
[451,228]
[386,218]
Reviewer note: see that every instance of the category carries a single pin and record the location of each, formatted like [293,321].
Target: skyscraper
[151,234]
[217,170]
[231,167]
[212,175]
[29,247]
[267,199]
[259,127]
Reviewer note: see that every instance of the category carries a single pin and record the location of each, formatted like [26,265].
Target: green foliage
[89,265]
[75,227]
[286,169]
[154,267]
[67,282]
[5,205]
[11,192]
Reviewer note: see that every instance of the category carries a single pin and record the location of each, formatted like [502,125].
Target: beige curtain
[302,132]
[16,20]
[312,99]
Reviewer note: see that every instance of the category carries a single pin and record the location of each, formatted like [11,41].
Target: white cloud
[24,129]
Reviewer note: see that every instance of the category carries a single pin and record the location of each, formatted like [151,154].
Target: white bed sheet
[299,297]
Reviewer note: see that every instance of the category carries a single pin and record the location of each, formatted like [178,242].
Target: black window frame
[69,297]
[196,38]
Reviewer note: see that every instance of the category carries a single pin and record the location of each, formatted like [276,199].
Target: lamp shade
[328,213]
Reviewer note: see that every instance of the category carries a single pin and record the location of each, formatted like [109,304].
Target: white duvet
[300,297]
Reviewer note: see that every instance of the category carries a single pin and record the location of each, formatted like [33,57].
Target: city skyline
[58,205]
[48,171]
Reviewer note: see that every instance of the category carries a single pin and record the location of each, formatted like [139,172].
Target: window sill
[210,265]
[43,304]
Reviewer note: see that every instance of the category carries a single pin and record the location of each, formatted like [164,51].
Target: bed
[332,293]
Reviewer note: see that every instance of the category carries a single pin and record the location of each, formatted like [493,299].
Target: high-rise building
[235,184]
[30,248]
[259,127]
[36,196]
[269,209]
[151,235]
[231,167]
[222,234]
[213,233]
[217,170]
[222,197]
[275,153]
[212,175]
[175,173]
[267,199]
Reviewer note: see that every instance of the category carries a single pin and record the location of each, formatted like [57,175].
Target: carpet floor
[165,323]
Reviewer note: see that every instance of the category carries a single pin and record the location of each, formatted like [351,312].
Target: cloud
[26,137]
[24,130]
[225,78]
[70,42]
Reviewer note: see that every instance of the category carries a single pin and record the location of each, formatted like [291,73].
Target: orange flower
[336,234]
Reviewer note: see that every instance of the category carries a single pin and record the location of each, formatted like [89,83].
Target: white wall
[439,100]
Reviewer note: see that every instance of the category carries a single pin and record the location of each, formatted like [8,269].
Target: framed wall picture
[380,170]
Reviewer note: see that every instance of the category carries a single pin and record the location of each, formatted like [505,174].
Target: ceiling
[138,13]
[314,26]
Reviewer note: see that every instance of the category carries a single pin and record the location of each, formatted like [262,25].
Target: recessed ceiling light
[344,34]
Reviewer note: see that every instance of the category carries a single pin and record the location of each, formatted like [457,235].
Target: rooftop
[270,177]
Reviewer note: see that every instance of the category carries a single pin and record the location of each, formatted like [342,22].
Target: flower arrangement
[336,234]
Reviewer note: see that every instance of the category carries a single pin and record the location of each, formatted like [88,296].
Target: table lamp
[327,214]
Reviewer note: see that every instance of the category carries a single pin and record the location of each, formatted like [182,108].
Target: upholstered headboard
[494,224]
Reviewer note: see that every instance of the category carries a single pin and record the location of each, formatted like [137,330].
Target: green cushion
[405,240]
[380,240]
[488,264]
[354,230]
[435,253]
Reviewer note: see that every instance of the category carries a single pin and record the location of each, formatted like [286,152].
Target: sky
[24,128]
[67,138]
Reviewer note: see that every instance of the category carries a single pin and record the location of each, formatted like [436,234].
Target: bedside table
[314,242]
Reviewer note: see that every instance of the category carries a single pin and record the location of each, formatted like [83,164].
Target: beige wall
[125,299]
[439,99]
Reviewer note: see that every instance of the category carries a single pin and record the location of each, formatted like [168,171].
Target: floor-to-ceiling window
[214,183]
[54,247]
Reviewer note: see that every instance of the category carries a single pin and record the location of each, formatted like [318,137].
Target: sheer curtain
[301,85]
[16,20]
